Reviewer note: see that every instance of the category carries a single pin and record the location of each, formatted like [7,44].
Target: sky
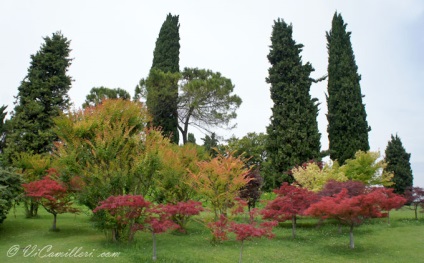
[112,45]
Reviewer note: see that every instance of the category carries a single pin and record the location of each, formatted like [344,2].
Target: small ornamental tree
[388,200]
[290,202]
[157,220]
[219,180]
[120,214]
[251,230]
[349,210]
[252,191]
[52,195]
[415,198]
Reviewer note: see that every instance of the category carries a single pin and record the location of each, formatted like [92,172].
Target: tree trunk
[154,246]
[352,243]
[416,209]
[388,217]
[294,226]
[31,208]
[54,222]
[241,252]
[340,227]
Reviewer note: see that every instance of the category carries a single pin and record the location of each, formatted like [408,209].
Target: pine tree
[166,59]
[293,136]
[42,95]
[398,163]
[347,125]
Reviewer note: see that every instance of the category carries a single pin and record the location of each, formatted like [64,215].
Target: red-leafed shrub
[182,211]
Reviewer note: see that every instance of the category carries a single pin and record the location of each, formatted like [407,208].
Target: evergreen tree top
[167,50]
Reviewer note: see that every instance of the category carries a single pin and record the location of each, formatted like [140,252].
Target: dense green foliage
[101,93]
[102,149]
[162,98]
[42,95]
[10,189]
[251,147]
[347,125]
[211,144]
[293,136]
[398,163]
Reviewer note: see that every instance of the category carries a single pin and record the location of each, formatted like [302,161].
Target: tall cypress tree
[42,95]
[293,136]
[347,125]
[398,162]
[166,59]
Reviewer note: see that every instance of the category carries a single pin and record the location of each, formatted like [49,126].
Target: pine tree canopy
[347,125]
[293,136]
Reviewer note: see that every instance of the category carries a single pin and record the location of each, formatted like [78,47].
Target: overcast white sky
[112,45]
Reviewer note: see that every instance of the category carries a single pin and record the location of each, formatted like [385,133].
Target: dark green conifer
[398,163]
[166,59]
[293,136]
[42,95]
[347,125]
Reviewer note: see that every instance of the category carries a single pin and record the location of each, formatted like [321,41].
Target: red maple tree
[388,200]
[122,212]
[52,195]
[157,220]
[415,198]
[291,201]
[350,210]
[251,230]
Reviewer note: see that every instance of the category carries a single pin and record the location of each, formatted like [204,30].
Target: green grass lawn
[375,241]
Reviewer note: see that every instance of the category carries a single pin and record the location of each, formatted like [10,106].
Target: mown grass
[375,241]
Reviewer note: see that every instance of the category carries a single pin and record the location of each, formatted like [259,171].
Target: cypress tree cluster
[347,125]
[293,136]
[398,163]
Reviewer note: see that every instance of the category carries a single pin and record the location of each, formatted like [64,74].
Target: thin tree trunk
[154,246]
[388,217]
[340,227]
[352,243]
[54,222]
[294,226]
[241,252]
[416,208]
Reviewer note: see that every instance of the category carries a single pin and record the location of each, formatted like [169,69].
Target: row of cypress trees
[293,135]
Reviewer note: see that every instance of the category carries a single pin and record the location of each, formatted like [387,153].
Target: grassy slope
[402,241]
